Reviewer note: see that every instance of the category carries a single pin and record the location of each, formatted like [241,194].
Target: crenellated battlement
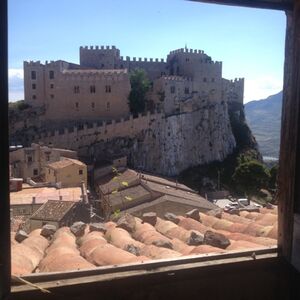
[143,60]
[98,48]
[186,50]
[32,63]
[114,75]
[237,80]
[177,78]
[79,136]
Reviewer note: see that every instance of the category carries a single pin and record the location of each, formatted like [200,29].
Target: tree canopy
[251,176]
[139,87]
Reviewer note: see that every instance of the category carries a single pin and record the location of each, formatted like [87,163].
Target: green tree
[139,87]
[250,177]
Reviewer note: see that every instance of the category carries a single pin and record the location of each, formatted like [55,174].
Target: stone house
[67,172]
[29,162]
[54,212]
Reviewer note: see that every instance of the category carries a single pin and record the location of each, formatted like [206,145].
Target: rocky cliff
[156,143]
[184,140]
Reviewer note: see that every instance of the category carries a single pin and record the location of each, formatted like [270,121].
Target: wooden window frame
[289,166]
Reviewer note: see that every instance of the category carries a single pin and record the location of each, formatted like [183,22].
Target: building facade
[66,172]
[99,86]
[30,162]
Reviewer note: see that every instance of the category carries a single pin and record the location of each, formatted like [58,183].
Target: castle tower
[100,58]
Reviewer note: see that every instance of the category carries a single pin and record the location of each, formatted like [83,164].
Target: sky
[249,42]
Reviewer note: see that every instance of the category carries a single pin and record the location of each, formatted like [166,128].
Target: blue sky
[250,42]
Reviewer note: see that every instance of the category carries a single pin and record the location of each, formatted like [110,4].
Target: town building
[99,86]
[26,201]
[66,172]
[58,213]
[30,162]
[140,193]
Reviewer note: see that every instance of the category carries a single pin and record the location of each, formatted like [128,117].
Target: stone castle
[88,104]
[99,86]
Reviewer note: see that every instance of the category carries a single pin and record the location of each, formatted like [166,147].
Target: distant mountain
[264,119]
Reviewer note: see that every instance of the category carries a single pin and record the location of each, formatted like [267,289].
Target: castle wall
[99,57]
[34,86]
[233,90]
[99,94]
[77,138]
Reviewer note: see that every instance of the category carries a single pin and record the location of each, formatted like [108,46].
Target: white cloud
[15,84]
[261,87]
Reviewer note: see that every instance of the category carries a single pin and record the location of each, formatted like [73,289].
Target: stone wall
[154,142]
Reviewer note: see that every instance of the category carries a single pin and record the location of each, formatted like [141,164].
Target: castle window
[51,86]
[33,96]
[92,89]
[51,96]
[35,172]
[212,80]
[108,106]
[102,65]
[186,90]
[29,159]
[93,105]
[47,157]
[204,79]
[76,89]
[187,59]
[51,74]
[76,104]
[107,89]
[172,89]
[33,74]
[122,66]
[80,172]
[33,86]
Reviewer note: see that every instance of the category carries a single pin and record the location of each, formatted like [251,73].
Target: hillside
[264,119]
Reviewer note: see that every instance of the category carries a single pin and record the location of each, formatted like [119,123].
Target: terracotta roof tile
[146,242]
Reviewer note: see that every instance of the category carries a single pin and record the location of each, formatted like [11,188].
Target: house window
[186,90]
[51,86]
[33,75]
[35,172]
[80,172]
[76,89]
[92,89]
[107,89]
[33,96]
[204,79]
[51,74]
[76,105]
[33,86]
[172,89]
[108,106]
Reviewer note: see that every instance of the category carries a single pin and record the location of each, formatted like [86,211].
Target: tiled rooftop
[43,194]
[65,162]
[143,242]
[53,210]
